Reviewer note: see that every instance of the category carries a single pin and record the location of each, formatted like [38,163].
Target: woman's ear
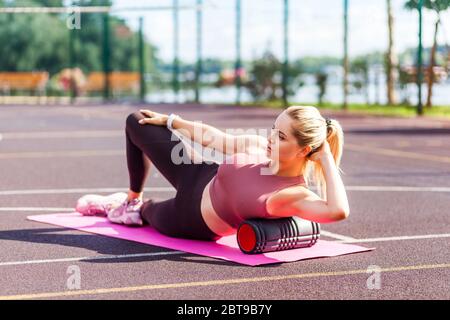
[305,151]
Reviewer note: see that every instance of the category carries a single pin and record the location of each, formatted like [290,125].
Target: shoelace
[110,206]
[126,205]
[133,203]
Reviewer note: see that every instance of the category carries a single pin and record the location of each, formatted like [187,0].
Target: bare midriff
[212,219]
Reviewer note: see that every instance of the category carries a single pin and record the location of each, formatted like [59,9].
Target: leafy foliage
[265,81]
[437,5]
[41,41]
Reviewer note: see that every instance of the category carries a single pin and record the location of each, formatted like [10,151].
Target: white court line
[124,256]
[341,238]
[428,236]
[336,236]
[397,153]
[64,134]
[106,257]
[80,190]
[398,188]
[170,189]
[63,153]
[53,209]
[35,209]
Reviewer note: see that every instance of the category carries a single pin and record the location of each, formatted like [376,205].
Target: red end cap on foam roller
[246,237]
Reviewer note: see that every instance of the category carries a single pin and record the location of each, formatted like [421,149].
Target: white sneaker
[94,204]
[127,213]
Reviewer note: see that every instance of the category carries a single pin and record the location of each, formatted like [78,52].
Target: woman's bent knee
[133,118]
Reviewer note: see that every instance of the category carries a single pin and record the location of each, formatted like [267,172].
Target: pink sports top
[239,190]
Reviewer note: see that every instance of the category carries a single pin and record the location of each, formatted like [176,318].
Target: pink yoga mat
[225,248]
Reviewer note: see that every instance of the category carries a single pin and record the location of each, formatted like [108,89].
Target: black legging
[179,216]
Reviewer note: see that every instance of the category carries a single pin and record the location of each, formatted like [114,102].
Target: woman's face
[282,145]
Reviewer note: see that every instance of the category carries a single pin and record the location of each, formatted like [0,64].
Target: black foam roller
[266,235]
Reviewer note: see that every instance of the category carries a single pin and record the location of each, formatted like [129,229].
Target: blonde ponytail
[335,139]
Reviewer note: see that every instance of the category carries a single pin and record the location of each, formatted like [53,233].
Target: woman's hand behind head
[323,151]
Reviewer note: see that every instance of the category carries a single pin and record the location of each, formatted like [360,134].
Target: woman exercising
[260,177]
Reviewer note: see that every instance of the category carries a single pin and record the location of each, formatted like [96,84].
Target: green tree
[41,41]
[391,58]
[438,6]
[321,82]
[404,80]
[31,41]
[265,81]
[360,67]
[315,64]
[50,3]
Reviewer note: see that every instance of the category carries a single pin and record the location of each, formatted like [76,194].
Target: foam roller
[266,235]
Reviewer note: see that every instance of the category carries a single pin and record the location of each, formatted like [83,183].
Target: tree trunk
[366,84]
[346,59]
[430,67]
[391,59]
[376,83]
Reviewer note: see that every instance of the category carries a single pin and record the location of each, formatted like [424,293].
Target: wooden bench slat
[117,81]
[23,80]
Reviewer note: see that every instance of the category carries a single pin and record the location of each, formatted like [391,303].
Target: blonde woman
[212,199]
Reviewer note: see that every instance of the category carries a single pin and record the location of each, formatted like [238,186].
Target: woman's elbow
[340,215]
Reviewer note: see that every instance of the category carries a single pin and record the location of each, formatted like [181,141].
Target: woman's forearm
[335,189]
[199,132]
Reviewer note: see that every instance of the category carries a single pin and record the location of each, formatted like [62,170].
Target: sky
[315,27]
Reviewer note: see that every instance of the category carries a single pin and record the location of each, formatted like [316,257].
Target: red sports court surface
[397,178]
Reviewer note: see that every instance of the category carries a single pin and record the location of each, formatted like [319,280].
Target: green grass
[382,110]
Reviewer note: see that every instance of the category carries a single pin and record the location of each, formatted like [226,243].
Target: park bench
[27,81]
[118,81]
